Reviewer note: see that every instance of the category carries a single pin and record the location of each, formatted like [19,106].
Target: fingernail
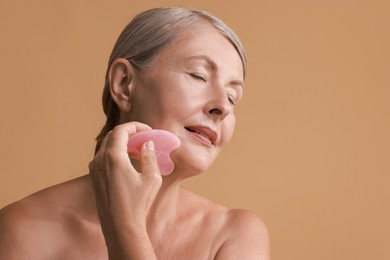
[150,145]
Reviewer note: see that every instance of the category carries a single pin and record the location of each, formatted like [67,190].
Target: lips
[203,133]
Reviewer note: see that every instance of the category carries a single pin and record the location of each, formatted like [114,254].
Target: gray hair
[146,35]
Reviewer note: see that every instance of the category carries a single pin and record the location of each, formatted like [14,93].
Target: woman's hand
[123,195]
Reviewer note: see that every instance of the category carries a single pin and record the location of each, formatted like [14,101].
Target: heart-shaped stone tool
[164,143]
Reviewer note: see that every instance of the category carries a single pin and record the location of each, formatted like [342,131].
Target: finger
[103,145]
[149,164]
[120,135]
[96,164]
[116,150]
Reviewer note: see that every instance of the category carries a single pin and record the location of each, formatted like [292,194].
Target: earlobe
[121,80]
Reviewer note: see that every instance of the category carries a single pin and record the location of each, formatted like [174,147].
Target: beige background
[311,150]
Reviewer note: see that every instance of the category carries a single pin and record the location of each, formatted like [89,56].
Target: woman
[175,69]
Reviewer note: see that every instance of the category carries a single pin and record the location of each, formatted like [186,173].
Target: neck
[165,209]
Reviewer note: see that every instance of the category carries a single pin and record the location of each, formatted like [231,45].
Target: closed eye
[231,100]
[198,76]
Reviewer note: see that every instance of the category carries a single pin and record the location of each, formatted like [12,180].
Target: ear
[121,79]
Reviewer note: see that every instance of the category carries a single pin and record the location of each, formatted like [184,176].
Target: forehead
[204,42]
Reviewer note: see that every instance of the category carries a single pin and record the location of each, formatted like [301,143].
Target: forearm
[123,195]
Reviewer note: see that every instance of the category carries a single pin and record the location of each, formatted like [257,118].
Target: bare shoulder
[244,222]
[241,234]
[22,229]
[43,218]
[247,236]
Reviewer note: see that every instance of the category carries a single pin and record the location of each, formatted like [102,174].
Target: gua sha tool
[164,143]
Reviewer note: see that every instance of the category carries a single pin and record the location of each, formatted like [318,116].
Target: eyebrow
[214,66]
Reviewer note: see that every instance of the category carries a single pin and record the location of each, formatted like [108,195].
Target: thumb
[148,158]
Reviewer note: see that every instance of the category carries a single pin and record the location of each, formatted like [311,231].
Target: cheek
[228,126]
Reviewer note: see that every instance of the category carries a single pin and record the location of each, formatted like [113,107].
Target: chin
[192,165]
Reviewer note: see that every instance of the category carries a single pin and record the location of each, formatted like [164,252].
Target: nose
[218,105]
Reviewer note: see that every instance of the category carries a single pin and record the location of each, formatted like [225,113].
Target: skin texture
[125,209]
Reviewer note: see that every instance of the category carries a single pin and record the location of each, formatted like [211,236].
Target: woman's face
[191,90]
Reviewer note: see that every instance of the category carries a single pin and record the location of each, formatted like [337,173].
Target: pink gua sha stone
[164,143]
